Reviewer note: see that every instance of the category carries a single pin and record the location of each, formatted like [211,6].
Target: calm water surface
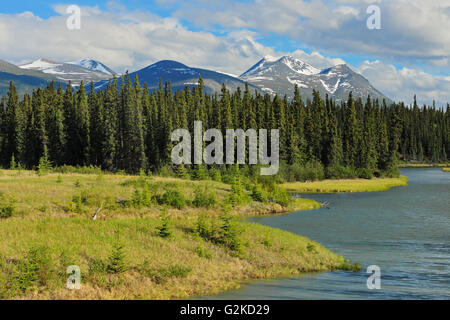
[404,231]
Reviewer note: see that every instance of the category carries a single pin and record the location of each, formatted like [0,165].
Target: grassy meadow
[346,185]
[132,250]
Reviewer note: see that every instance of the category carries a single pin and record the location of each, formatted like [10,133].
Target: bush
[7,210]
[177,270]
[80,170]
[204,197]
[236,196]
[364,173]
[215,175]
[280,196]
[166,171]
[163,230]
[32,271]
[311,171]
[173,198]
[142,198]
[199,173]
[229,235]
[391,172]
[116,261]
[258,194]
[341,172]
[202,252]
[7,207]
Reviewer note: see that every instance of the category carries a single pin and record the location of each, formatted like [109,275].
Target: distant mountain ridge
[279,76]
[66,71]
[270,75]
[182,76]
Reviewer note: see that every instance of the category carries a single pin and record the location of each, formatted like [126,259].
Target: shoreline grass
[346,185]
[446,169]
[198,267]
[52,228]
[422,165]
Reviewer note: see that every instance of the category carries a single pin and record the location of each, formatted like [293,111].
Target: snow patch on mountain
[93,65]
[297,82]
[41,64]
[330,89]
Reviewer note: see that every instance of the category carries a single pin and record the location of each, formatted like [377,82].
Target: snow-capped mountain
[279,76]
[94,65]
[65,71]
[181,76]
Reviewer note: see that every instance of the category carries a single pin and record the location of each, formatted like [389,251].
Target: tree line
[129,127]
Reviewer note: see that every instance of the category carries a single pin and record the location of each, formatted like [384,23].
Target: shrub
[258,194]
[202,252]
[391,172]
[215,175]
[204,197]
[116,261]
[311,171]
[163,230]
[229,235]
[199,173]
[236,196]
[97,266]
[202,228]
[142,198]
[364,173]
[173,198]
[341,172]
[34,270]
[177,270]
[44,165]
[181,172]
[281,196]
[347,266]
[166,171]
[80,170]
[7,210]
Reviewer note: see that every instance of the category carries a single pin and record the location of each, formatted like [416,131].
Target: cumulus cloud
[412,30]
[403,83]
[125,40]
[130,40]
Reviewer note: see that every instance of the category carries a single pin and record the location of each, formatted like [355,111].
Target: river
[404,231]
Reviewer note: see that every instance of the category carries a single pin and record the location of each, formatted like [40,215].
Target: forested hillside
[128,128]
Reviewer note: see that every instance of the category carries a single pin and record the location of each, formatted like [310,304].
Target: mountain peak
[93,65]
[280,76]
[299,66]
[270,64]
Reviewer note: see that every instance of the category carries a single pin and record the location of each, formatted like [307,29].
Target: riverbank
[422,165]
[47,225]
[346,185]
[446,169]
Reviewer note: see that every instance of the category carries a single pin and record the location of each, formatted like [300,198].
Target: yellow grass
[446,169]
[348,185]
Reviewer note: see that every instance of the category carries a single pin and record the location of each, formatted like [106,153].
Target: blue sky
[409,55]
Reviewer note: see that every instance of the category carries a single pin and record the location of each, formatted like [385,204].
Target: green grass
[422,165]
[122,254]
[446,169]
[156,268]
[348,185]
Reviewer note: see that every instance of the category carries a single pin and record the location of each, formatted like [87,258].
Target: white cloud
[412,30]
[402,84]
[131,40]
